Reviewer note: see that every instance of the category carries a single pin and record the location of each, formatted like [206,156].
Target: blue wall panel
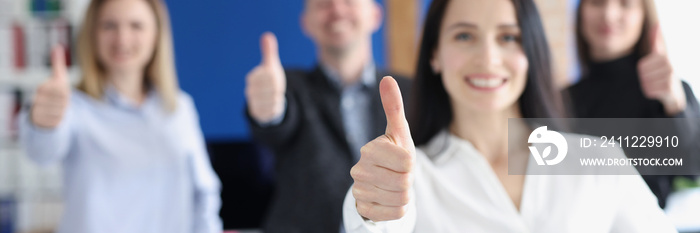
[217,43]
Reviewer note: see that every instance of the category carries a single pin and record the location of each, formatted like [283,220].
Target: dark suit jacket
[313,157]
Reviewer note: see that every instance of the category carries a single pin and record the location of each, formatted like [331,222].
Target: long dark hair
[641,48]
[431,111]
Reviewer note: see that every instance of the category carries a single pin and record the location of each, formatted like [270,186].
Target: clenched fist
[384,175]
[52,96]
[266,83]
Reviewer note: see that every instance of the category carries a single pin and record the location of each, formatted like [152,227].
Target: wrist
[674,104]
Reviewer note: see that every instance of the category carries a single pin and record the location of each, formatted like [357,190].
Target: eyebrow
[471,25]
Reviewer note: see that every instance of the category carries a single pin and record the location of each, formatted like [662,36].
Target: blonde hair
[160,71]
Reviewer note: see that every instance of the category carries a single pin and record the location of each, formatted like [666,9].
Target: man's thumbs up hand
[53,95]
[266,83]
[384,175]
[269,50]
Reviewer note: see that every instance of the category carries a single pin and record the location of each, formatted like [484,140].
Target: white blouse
[455,190]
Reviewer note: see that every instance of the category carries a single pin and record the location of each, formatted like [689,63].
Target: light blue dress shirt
[355,106]
[129,168]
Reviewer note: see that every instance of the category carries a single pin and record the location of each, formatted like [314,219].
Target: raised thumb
[58,64]
[269,49]
[656,40]
[397,127]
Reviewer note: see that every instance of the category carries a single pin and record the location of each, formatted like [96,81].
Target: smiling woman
[627,73]
[128,139]
[510,47]
[482,62]
[128,42]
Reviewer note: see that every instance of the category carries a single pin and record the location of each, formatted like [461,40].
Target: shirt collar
[368,76]
[113,96]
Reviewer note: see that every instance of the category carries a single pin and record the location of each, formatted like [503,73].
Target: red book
[18,40]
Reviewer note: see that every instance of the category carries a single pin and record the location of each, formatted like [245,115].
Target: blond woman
[128,138]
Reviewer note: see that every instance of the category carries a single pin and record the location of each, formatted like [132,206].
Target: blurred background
[216,44]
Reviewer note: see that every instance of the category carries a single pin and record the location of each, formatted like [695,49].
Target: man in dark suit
[316,121]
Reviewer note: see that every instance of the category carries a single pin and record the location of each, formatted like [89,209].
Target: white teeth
[480,82]
[485,83]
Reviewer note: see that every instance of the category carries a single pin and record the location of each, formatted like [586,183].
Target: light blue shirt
[129,168]
[355,106]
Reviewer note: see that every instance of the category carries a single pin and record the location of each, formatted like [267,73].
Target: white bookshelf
[30,79]
[36,190]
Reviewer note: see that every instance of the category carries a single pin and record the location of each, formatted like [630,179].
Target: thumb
[269,49]
[656,40]
[397,127]
[58,64]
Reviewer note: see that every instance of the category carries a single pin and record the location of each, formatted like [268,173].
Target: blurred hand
[384,174]
[656,76]
[266,83]
[52,96]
